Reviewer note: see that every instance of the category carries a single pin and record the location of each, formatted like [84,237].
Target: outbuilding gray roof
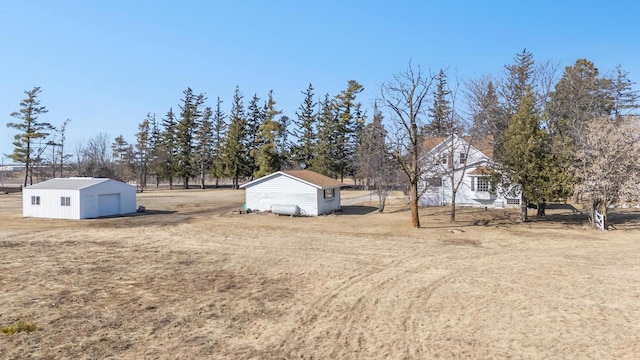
[306,176]
[74,183]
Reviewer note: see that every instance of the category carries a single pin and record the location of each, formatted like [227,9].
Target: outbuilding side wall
[50,206]
[282,190]
[327,206]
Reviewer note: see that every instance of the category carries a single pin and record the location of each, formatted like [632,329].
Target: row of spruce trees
[251,141]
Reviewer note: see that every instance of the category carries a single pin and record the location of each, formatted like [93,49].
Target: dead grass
[191,280]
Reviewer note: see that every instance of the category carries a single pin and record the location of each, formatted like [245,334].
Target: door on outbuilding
[108,204]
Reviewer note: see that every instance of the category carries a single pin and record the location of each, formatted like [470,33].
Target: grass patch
[20,326]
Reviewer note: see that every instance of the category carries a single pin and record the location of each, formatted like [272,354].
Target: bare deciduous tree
[94,158]
[608,165]
[405,95]
[374,161]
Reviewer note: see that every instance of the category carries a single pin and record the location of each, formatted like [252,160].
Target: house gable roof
[306,176]
[484,145]
[73,183]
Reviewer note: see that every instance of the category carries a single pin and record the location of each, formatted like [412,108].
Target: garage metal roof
[73,183]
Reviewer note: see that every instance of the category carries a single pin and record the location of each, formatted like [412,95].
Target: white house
[470,162]
[293,192]
[78,198]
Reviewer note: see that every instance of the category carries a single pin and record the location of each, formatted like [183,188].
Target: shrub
[20,326]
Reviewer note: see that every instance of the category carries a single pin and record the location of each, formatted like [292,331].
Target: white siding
[327,206]
[465,196]
[50,206]
[282,190]
[91,199]
[89,208]
[84,203]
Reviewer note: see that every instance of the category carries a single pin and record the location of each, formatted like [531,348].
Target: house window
[434,182]
[513,201]
[65,201]
[329,193]
[463,158]
[483,184]
[35,200]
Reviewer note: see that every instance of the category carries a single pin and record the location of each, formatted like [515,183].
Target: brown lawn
[191,280]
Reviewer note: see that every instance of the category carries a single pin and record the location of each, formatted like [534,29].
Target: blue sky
[106,64]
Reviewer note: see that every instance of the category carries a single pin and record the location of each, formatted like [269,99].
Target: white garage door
[108,204]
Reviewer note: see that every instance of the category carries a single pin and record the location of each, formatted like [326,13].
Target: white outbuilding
[78,198]
[293,192]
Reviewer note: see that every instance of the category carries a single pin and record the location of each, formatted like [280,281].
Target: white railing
[599,218]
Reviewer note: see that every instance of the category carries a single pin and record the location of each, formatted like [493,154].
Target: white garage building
[78,198]
[293,192]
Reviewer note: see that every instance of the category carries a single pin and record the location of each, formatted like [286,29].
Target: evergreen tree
[579,96]
[122,155]
[526,158]
[235,152]
[190,115]
[625,98]
[324,161]
[31,133]
[168,149]
[266,153]
[518,80]
[219,131]
[155,150]
[254,119]
[485,107]
[205,145]
[440,112]
[347,129]
[305,131]
[142,150]
[356,138]
[282,142]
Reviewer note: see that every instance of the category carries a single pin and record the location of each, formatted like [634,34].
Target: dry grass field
[189,279]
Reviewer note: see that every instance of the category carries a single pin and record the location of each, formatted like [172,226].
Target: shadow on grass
[357,210]
[153,212]
[10,189]
[627,219]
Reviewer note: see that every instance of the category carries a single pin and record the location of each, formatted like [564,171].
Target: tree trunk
[216,183]
[413,197]
[202,175]
[186,182]
[26,164]
[452,217]
[382,197]
[171,183]
[523,208]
